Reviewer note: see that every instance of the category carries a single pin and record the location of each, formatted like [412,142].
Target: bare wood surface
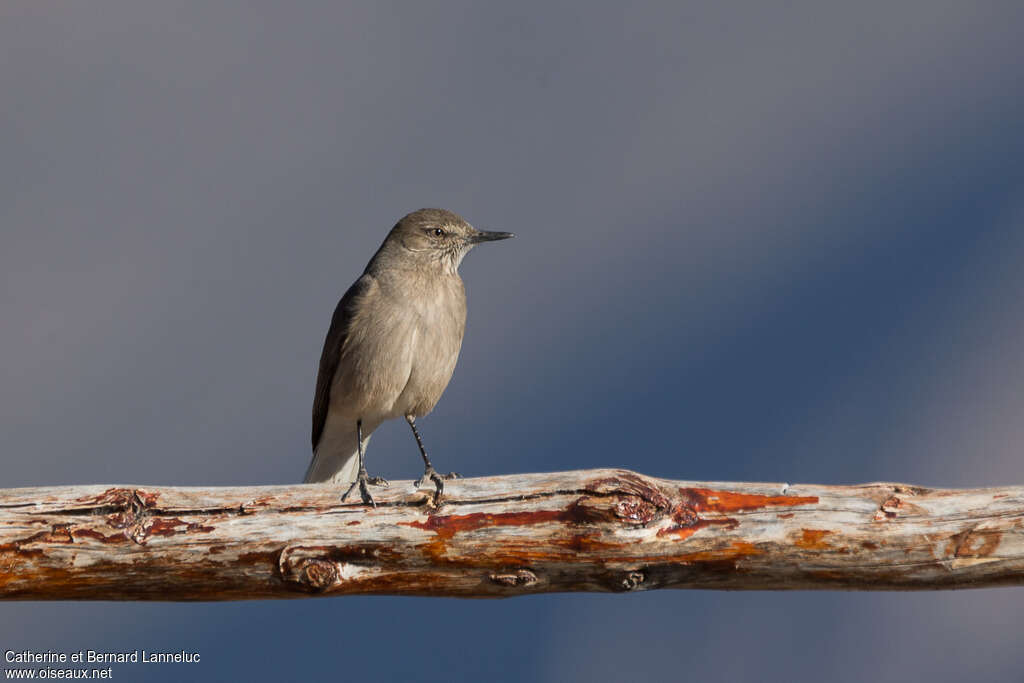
[594,530]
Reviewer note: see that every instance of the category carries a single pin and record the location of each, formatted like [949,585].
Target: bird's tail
[336,457]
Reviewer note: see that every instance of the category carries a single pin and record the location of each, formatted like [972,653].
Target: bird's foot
[364,481]
[430,474]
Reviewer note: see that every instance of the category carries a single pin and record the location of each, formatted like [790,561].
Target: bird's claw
[363,481]
[433,475]
[430,474]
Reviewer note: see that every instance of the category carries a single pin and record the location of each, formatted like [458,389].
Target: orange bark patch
[729,501]
[745,548]
[59,533]
[446,526]
[688,518]
[119,537]
[735,551]
[812,539]
[582,543]
[147,498]
[112,496]
[989,543]
[169,527]
[974,543]
[685,530]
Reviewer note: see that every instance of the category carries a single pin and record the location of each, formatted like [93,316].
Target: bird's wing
[331,355]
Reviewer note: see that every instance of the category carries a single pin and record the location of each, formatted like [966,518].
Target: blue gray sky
[756,241]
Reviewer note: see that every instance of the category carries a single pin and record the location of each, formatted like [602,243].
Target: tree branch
[594,530]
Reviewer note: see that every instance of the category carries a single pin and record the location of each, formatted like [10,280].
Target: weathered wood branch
[596,530]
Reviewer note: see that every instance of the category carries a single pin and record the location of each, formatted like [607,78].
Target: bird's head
[438,237]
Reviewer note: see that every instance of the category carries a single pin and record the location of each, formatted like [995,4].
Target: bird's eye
[438,232]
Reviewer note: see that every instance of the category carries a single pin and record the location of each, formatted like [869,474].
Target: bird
[392,346]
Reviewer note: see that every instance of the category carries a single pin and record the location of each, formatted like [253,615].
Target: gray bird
[392,345]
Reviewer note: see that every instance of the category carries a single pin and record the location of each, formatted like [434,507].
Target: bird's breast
[400,350]
[440,324]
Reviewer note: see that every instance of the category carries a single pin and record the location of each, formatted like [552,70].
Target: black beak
[484,236]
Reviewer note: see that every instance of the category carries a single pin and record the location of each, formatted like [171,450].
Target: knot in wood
[889,509]
[633,580]
[631,484]
[131,511]
[636,510]
[318,574]
[521,577]
[309,567]
[897,506]
[618,508]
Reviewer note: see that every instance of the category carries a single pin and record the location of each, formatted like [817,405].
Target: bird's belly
[432,366]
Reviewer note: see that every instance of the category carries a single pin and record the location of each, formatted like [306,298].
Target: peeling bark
[594,530]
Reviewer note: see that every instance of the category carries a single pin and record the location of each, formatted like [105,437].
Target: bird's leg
[363,480]
[429,472]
